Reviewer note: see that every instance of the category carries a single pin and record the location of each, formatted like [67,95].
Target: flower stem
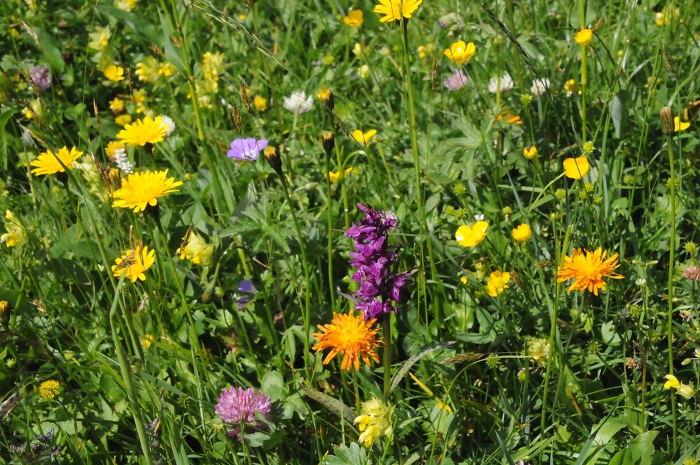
[671,259]
[329,210]
[584,73]
[387,357]
[307,280]
[126,376]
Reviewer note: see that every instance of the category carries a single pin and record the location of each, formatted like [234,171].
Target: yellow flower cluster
[15,235]
[212,67]
[197,250]
[49,389]
[375,421]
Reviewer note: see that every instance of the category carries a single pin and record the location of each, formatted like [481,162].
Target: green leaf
[344,455]
[273,385]
[174,55]
[334,405]
[52,53]
[398,376]
[642,447]
[600,436]
[135,22]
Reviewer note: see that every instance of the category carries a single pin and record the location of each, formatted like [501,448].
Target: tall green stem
[671,259]
[329,210]
[584,73]
[387,357]
[307,281]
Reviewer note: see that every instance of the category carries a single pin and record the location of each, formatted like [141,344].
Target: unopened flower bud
[326,96]
[328,142]
[666,116]
[273,159]
[4,312]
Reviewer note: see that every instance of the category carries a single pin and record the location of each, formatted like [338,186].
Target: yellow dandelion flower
[355,18]
[143,131]
[375,421]
[471,236]
[15,235]
[530,152]
[679,125]
[584,37]
[460,52]
[197,250]
[123,120]
[522,233]
[497,283]
[335,175]
[112,147]
[141,189]
[49,389]
[116,105]
[47,162]
[260,103]
[114,73]
[588,270]
[134,263]
[396,9]
[576,168]
[147,70]
[351,336]
[363,137]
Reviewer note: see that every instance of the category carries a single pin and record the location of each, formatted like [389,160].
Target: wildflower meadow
[349,232]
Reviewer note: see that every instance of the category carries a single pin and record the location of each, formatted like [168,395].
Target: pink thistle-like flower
[238,407]
[692,272]
[455,81]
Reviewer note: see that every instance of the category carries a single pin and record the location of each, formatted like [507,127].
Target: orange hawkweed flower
[351,336]
[588,270]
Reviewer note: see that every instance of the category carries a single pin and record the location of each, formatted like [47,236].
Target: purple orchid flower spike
[246,149]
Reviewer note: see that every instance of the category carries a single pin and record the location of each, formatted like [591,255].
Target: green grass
[598,397]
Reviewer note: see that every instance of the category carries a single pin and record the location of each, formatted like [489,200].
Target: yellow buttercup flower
[396,9]
[123,120]
[49,389]
[47,162]
[114,73]
[497,283]
[141,189]
[142,132]
[584,37]
[363,137]
[355,18]
[375,421]
[134,263]
[460,52]
[471,236]
[147,341]
[351,336]
[116,105]
[15,235]
[260,103]
[335,175]
[679,125]
[530,152]
[576,168]
[197,250]
[522,233]
[588,270]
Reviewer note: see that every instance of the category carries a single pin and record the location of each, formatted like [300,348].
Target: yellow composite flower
[522,233]
[584,37]
[576,168]
[15,235]
[679,125]
[363,137]
[112,147]
[471,236]
[511,118]
[355,18]
[134,263]
[497,283]
[530,152]
[114,73]
[334,175]
[375,421]
[460,52]
[116,105]
[260,103]
[123,120]
[396,9]
[142,189]
[588,270]
[47,162]
[197,250]
[143,131]
[49,389]
[351,336]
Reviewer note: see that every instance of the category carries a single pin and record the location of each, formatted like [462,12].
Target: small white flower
[298,103]
[121,159]
[697,353]
[479,217]
[506,84]
[641,282]
[168,124]
[539,87]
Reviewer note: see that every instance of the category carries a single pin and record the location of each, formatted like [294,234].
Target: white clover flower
[168,124]
[121,159]
[479,217]
[539,87]
[298,103]
[506,84]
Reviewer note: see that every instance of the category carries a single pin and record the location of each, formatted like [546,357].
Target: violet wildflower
[41,76]
[238,407]
[455,81]
[246,287]
[246,149]
[381,287]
